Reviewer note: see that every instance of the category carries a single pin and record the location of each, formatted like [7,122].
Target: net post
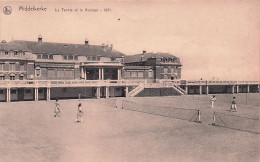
[199,115]
[214,118]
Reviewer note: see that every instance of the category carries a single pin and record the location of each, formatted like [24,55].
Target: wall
[157,92]
[64,93]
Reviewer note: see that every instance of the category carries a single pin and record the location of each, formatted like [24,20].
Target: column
[200,89]
[99,74]
[8,95]
[126,91]
[48,97]
[207,89]
[102,74]
[186,89]
[107,92]
[36,94]
[232,89]
[82,72]
[118,74]
[98,92]
[85,74]
[248,89]
[237,88]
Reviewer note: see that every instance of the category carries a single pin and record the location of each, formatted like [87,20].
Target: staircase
[179,89]
[137,90]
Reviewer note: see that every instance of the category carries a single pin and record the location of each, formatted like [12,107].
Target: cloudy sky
[219,39]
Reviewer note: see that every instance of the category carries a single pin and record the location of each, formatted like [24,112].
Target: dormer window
[6,52]
[65,57]
[15,53]
[70,57]
[44,56]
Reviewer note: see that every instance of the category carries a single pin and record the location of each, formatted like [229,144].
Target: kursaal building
[91,67]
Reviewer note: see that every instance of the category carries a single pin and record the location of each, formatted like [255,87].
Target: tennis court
[146,129]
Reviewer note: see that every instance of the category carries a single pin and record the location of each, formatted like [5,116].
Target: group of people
[233,103]
[80,113]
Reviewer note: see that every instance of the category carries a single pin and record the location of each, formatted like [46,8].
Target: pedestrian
[80,114]
[233,104]
[213,100]
[57,108]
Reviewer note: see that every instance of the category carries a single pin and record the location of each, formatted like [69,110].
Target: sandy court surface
[29,132]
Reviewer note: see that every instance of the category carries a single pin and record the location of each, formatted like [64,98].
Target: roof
[146,56]
[13,46]
[61,48]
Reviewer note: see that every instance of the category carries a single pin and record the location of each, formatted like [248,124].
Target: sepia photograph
[130,81]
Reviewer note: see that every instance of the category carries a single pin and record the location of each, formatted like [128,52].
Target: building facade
[38,60]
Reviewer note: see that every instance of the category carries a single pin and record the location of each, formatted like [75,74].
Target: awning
[12,74]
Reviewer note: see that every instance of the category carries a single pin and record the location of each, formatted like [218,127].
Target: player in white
[80,114]
[233,104]
[57,108]
[212,100]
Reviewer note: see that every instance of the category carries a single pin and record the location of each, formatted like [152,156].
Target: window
[1,91]
[40,90]
[20,77]
[13,91]
[88,58]
[2,77]
[98,58]
[150,73]
[2,66]
[50,56]
[44,56]
[6,52]
[15,53]
[165,70]
[173,70]
[140,74]
[94,58]
[39,56]
[165,77]
[12,77]
[37,71]
[11,53]
[21,67]
[21,53]
[12,66]
[113,59]
[75,57]
[70,57]
[28,91]
[65,57]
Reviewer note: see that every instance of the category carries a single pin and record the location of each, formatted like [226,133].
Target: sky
[213,39]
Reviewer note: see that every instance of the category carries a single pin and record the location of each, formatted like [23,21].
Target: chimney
[111,46]
[142,57]
[40,38]
[86,41]
[103,46]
